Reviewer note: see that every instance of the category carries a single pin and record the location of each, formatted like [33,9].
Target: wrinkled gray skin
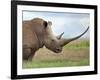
[37,33]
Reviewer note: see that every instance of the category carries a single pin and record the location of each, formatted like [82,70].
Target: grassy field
[73,54]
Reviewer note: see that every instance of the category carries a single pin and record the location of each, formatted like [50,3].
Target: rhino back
[29,36]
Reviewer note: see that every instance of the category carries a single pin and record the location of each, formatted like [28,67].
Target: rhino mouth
[58,50]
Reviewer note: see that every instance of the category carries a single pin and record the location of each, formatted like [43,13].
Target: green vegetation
[54,63]
[73,54]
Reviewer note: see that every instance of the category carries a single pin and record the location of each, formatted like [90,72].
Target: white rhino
[38,33]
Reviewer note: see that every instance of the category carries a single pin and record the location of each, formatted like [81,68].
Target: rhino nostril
[58,49]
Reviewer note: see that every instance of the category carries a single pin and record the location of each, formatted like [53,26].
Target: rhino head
[50,40]
[56,43]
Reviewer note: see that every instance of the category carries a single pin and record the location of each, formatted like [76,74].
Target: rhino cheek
[54,47]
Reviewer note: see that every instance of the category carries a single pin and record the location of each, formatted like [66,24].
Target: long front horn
[66,41]
[59,36]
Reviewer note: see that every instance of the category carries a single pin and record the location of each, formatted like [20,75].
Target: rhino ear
[45,24]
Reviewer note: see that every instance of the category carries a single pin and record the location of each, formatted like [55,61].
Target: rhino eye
[53,40]
[45,24]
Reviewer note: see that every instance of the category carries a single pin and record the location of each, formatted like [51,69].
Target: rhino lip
[58,50]
[55,50]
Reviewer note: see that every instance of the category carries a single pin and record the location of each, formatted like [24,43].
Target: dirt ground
[69,54]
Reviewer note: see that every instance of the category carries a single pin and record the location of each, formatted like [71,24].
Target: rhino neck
[38,29]
[40,40]
[39,36]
